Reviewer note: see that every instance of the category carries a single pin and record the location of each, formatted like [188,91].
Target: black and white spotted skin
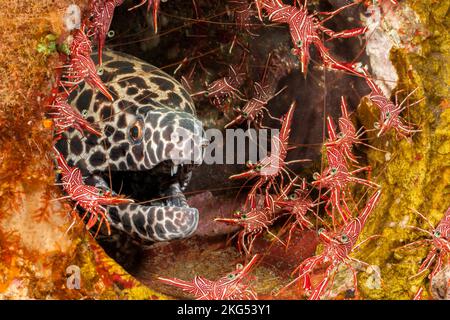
[149,128]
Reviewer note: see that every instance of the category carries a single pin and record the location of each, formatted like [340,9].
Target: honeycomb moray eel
[149,130]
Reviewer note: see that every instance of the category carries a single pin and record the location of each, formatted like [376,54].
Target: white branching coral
[72,17]
[389,27]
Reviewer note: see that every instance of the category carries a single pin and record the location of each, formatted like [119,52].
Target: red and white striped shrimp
[336,178]
[81,67]
[390,118]
[439,238]
[102,12]
[338,246]
[273,165]
[233,286]
[89,198]
[304,29]
[154,4]
[253,110]
[65,116]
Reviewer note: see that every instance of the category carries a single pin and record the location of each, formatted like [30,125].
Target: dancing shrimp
[440,240]
[272,166]
[337,248]
[233,286]
[305,28]
[89,198]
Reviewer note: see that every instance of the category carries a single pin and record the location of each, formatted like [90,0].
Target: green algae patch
[414,174]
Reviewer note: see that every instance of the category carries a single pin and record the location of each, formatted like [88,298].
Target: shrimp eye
[344,238]
[244,114]
[136,131]
[244,216]
[321,230]
[437,233]
[299,43]
[388,115]
[258,167]
[239,266]
[333,171]
[231,276]
[316,176]
[376,125]
[340,135]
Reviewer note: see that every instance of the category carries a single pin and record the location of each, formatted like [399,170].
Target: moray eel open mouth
[160,211]
[164,185]
[172,180]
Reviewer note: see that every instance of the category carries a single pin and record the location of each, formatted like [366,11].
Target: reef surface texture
[413,175]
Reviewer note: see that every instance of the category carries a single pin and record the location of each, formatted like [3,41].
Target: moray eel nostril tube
[150,129]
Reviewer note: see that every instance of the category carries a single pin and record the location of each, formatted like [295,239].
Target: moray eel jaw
[166,216]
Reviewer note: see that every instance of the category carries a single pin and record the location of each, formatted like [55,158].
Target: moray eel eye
[136,131]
